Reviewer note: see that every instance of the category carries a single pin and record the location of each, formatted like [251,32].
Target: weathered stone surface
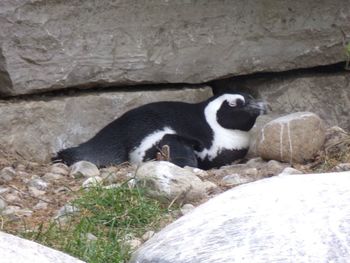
[38,128]
[49,45]
[260,122]
[325,94]
[293,138]
[168,182]
[289,218]
[14,249]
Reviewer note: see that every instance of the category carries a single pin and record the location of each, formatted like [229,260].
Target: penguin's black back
[114,142]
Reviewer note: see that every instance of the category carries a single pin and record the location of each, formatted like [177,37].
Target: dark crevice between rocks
[236,83]
[244,82]
[91,89]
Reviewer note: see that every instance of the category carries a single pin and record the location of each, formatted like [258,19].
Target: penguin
[215,132]
[180,150]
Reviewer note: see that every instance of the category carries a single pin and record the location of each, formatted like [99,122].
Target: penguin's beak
[259,107]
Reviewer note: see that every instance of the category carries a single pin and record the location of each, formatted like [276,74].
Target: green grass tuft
[112,216]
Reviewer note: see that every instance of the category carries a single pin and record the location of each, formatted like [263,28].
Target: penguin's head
[235,111]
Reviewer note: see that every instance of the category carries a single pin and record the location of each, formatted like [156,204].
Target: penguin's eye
[236,103]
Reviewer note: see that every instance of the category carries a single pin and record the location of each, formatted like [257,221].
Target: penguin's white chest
[225,139]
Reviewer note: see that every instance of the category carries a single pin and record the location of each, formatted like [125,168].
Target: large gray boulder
[47,45]
[14,250]
[42,126]
[287,218]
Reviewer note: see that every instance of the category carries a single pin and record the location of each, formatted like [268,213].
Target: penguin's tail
[66,156]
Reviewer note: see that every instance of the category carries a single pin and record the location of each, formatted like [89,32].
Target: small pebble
[342,167]
[4,190]
[3,204]
[67,210]
[251,172]
[134,243]
[7,174]
[40,206]
[290,170]
[186,208]
[59,168]
[20,168]
[39,184]
[199,172]
[84,169]
[209,186]
[90,237]
[35,192]
[13,197]
[92,182]
[235,179]
[23,174]
[62,189]
[112,186]
[132,183]
[148,235]
[52,177]
[11,209]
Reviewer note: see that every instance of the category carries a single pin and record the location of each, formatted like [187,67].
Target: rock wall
[40,127]
[48,45]
[53,45]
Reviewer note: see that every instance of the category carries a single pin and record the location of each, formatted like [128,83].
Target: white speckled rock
[84,169]
[14,250]
[293,138]
[167,182]
[289,218]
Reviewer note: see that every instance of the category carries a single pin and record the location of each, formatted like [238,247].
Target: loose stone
[148,235]
[186,208]
[84,169]
[7,174]
[41,205]
[92,182]
[39,184]
[52,177]
[59,168]
[3,204]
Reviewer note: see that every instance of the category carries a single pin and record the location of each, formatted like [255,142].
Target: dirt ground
[30,215]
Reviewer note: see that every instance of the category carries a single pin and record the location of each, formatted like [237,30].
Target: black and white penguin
[215,132]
